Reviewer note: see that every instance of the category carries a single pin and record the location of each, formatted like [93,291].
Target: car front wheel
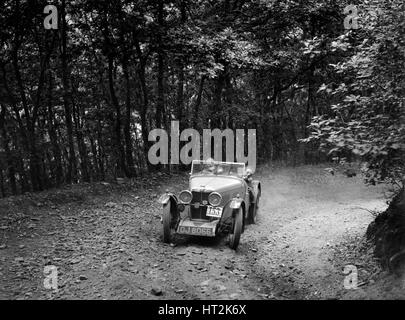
[253,209]
[234,236]
[167,222]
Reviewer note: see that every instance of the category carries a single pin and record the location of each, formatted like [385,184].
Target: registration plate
[215,212]
[196,231]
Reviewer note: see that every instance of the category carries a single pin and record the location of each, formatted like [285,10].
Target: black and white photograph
[222,151]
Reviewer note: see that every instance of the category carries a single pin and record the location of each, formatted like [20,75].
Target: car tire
[167,222]
[234,236]
[253,210]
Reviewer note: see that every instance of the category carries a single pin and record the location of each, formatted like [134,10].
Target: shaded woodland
[77,103]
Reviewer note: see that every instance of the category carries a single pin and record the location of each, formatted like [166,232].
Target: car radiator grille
[200,212]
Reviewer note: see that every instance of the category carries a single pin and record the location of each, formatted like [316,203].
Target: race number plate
[196,231]
[215,212]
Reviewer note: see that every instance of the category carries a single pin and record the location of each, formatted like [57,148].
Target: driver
[209,167]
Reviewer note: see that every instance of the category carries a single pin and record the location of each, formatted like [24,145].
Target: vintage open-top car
[221,198]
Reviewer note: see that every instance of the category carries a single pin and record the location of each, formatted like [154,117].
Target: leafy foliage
[368,116]
[78,103]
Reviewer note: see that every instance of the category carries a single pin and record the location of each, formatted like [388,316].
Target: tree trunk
[180,75]
[228,99]
[127,125]
[2,188]
[145,105]
[84,163]
[95,166]
[71,175]
[160,63]
[100,147]
[216,104]
[180,94]
[310,103]
[9,158]
[198,102]
[120,153]
[57,154]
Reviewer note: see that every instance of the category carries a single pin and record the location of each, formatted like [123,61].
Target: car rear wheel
[234,236]
[167,222]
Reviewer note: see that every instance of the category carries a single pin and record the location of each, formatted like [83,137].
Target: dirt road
[105,241]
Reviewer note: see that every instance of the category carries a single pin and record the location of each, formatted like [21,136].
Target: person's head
[210,161]
[210,164]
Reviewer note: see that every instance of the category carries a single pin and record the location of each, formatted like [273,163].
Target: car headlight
[185,196]
[214,199]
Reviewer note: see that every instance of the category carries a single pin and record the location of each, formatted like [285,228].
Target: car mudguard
[237,203]
[169,197]
[166,197]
